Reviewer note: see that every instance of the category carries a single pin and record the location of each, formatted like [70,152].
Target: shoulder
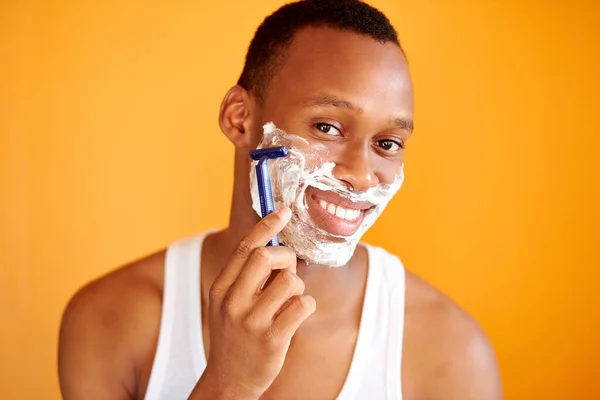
[108,327]
[446,354]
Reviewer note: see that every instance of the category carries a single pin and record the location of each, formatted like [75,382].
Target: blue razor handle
[264,181]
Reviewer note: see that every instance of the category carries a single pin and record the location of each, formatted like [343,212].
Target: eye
[328,129]
[391,146]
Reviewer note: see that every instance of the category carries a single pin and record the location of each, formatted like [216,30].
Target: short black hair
[274,36]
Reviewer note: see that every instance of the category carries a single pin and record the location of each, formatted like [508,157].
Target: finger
[288,321]
[258,236]
[258,268]
[285,286]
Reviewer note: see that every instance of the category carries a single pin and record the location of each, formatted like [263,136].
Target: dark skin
[354,95]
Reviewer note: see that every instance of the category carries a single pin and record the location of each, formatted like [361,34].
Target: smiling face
[344,104]
[328,219]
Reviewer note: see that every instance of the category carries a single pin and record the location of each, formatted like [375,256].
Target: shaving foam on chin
[291,176]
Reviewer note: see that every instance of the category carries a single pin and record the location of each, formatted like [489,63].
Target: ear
[236,115]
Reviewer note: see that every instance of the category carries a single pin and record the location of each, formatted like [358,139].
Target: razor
[264,180]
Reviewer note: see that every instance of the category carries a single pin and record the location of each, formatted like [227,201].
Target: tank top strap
[375,370]
[395,279]
[180,347]
[366,332]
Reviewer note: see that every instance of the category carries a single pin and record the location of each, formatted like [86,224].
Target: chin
[317,247]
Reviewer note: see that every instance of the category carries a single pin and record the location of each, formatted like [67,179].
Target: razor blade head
[269,152]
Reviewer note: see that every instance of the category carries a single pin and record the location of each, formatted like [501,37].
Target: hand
[251,328]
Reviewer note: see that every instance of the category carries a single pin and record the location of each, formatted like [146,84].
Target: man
[207,319]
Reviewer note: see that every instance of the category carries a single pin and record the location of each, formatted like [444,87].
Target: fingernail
[285,213]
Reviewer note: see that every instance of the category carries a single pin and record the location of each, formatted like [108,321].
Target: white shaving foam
[291,176]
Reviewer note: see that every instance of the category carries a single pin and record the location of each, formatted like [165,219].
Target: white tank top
[180,360]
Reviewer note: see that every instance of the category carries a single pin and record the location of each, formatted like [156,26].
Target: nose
[355,168]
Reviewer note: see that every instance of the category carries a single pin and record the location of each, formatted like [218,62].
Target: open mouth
[334,213]
[347,214]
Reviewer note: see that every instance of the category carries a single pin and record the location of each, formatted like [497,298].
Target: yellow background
[110,149]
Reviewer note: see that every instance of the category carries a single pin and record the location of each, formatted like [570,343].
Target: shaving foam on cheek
[291,176]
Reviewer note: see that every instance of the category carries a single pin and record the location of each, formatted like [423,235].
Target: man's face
[351,99]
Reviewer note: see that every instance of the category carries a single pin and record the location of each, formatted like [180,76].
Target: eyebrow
[331,100]
[403,123]
[328,99]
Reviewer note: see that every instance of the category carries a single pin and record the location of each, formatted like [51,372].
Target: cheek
[316,154]
[312,162]
[309,156]
[389,171]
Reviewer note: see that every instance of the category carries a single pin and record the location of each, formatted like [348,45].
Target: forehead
[369,73]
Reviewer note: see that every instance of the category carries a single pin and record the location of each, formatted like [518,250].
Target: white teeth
[340,212]
[331,209]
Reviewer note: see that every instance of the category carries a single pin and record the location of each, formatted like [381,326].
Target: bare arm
[107,327]
[446,355]
[473,373]
[90,365]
